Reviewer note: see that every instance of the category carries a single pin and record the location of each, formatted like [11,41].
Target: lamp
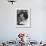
[12,1]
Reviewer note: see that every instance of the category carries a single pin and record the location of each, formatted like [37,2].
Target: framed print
[23,17]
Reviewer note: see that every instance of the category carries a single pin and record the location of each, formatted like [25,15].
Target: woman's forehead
[21,15]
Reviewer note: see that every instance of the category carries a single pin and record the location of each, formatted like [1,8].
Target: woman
[22,18]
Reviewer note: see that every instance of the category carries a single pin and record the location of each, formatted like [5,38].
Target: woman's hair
[25,14]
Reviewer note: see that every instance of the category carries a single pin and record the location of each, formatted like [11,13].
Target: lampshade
[12,1]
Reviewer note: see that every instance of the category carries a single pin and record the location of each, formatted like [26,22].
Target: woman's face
[22,18]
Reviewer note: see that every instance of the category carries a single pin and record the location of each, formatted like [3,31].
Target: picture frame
[23,17]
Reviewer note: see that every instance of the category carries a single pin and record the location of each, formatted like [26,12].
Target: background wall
[8,29]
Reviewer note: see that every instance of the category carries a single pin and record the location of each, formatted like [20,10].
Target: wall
[8,29]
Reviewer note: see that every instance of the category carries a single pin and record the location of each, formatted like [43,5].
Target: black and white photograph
[23,18]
